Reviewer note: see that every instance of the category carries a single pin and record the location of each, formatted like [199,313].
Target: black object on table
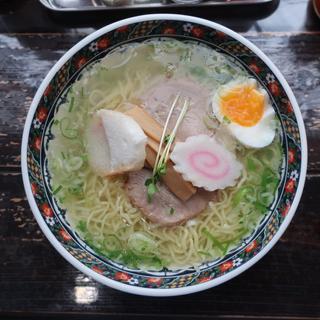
[36,282]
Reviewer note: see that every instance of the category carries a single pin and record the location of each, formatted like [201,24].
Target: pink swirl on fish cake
[208,165]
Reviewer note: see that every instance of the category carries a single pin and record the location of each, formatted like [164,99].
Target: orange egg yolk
[243,105]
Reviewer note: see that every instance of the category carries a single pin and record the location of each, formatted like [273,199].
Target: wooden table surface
[36,282]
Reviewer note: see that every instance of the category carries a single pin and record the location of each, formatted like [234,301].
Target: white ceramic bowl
[188,281]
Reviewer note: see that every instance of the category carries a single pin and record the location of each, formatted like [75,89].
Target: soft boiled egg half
[245,110]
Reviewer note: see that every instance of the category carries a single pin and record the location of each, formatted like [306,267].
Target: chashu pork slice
[115,143]
[158,99]
[165,209]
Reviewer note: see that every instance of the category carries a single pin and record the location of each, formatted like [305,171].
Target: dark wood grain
[27,59]
[284,283]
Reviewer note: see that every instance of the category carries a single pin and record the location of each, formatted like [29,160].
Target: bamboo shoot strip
[173,180]
[150,126]
[160,168]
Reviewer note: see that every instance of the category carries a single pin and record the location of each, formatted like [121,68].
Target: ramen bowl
[51,218]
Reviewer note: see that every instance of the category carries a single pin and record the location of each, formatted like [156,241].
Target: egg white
[257,136]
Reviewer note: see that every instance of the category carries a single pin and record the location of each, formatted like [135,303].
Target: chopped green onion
[96,248]
[85,156]
[130,259]
[139,253]
[71,104]
[112,243]
[76,190]
[162,170]
[214,240]
[151,188]
[267,177]
[241,195]
[61,199]
[226,120]
[139,243]
[65,129]
[209,122]
[55,191]
[250,165]
[73,164]
[115,254]
[166,139]
[212,116]
[266,198]
[172,211]
[198,71]
[260,207]
[226,247]
[204,253]
[82,226]
[153,262]
[242,233]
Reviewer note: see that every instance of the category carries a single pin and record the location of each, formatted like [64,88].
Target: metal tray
[105,5]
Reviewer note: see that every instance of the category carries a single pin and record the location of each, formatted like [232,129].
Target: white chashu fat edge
[115,143]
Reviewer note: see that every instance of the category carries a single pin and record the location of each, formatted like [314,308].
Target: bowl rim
[157,291]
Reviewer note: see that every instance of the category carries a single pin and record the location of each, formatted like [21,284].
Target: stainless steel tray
[105,5]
